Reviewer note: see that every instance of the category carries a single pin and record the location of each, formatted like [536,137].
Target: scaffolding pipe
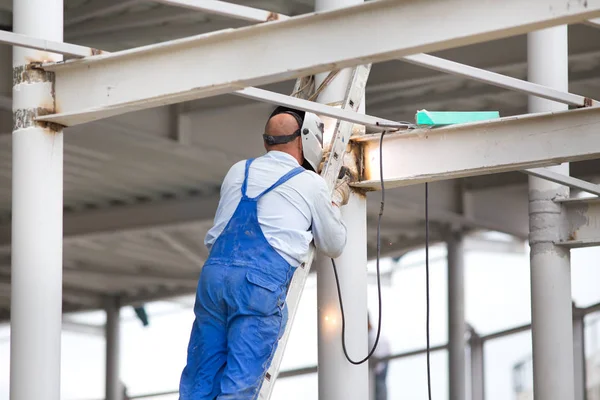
[339,379]
[114,391]
[456,318]
[552,318]
[36,274]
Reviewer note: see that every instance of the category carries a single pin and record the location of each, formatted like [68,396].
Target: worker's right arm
[328,229]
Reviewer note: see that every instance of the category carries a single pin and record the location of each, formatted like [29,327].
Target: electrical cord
[427,287]
[337,281]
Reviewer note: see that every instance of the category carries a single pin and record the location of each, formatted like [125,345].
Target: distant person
[380,368]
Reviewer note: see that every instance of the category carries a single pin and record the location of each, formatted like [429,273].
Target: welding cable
[337,281]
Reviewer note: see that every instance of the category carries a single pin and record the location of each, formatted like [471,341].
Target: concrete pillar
[552,330]
[456,318]
[36,274]
[114,389]
[339,379]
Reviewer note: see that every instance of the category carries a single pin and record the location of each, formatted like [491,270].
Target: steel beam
[565,180]
[499,80]
[107,85]
[79,327]
[227,9]
[583,223]
[317,108]
[140,217]
[506,144]
[140,19]
[95,9]
[30,42]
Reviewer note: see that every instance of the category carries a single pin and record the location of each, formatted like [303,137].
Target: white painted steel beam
[140,19]
[227,9]
[506,144]
[562,179]
[95,9]
[29,42]
[225,61]
[317,108]
[181,248]
[583,223]
[495,79]
[138,217]
[79,327]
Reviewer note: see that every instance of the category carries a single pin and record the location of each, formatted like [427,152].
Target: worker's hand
[341,193]
[322,164]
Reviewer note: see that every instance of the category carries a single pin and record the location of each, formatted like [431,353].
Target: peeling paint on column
[31,73]
[23,118]
[548,223]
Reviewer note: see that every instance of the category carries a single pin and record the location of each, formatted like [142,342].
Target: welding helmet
[310,132]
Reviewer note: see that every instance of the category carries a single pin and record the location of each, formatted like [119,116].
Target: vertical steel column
[456,318]
[552,329]
[579,354]
[339,379]
[36,296]
[477,367]
[114,390]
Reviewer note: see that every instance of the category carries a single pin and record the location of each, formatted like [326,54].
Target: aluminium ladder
[331,169]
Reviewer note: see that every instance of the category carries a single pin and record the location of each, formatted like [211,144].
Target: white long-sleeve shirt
[290,215]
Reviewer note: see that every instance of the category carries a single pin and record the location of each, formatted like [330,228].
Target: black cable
[427,285]
[337,281]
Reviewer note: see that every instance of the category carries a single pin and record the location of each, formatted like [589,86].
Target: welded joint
[273,16]
[23,118]
[577,216]
[548,222]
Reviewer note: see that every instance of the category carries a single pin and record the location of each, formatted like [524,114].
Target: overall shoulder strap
[282,180]
[246,172]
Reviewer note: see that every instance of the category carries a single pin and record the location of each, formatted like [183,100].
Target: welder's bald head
[281,125]
[278,130]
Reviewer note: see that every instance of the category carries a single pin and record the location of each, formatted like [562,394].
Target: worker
[270,210]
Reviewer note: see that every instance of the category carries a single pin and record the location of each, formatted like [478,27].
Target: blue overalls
[240,308]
